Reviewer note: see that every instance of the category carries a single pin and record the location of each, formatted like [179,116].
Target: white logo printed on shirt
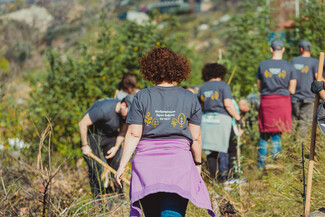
[208,93]
[275,71]
[298,66]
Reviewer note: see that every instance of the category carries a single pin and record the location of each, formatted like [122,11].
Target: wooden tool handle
[313,139]
[107,166]
[232,74]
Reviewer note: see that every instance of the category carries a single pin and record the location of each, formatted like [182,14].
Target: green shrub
[310,25]
[247,44]
[74,83]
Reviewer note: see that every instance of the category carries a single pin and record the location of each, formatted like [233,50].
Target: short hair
[213,70]
[129,82]
[163,64]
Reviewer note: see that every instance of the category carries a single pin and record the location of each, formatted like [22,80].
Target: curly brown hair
[213,70]
[163,64]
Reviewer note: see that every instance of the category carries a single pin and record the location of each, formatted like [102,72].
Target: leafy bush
[309,26]
[247,45]
[73,84]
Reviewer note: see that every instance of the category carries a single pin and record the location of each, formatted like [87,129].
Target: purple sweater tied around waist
[166,165]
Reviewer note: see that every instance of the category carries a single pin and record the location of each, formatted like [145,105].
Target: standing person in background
[276,80]
[303,99]
[216,99]
[102,129]
[164,128]
[128,85]
[232,149]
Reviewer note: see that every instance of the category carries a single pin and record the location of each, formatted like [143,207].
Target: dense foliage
[247,44]
[73,84]
[310,25]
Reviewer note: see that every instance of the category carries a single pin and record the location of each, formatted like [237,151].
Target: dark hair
[163,64]
[129,83]
[213,70]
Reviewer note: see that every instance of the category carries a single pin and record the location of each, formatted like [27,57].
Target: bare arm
[121,135]
[119,140]
[132,139]
[83,129]
[292,86]
[116,91]
[231,109]
[259,85]
[196,147]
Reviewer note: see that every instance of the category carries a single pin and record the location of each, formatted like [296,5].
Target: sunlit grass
[274,192]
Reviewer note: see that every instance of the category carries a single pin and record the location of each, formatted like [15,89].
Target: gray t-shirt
[105,120]
[212,94]
[275,76]
[165,112]
[306,68]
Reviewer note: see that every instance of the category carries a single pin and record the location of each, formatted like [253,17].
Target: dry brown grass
[60,189]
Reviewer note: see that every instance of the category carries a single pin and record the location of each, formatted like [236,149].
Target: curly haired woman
[218,110]
[164,129]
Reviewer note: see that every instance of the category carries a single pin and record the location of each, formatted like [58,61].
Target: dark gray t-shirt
[275,76]
[306,68]
[212,94]
[105,120]
[165,112]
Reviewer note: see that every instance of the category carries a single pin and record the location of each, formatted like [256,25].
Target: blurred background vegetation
[57,57]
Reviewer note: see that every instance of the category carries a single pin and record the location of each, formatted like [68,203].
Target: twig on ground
[6,196]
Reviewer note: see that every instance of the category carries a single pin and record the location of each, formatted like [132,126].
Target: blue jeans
[164,204]
[218,160]
[263,146]
[223,165]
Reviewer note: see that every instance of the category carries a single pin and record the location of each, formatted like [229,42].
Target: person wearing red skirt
[276,81]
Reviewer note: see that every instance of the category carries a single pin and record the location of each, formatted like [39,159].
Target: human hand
[119,175]
[317,86]
[111,152]
[86,150]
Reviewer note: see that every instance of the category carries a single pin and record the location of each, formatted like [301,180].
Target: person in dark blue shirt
[103,129]
[276,81]
[218,110]
[303,99]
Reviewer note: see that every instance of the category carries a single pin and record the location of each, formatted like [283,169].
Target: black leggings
[164,205]
[212,163]
[232,151]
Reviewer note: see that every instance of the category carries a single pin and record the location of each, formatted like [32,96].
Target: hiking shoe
[317,214]
[234,181]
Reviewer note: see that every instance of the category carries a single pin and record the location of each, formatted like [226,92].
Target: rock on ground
[36,17]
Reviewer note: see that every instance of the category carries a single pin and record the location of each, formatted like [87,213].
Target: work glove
[317,86]
[241,123]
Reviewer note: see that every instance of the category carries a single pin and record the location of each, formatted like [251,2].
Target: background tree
[246,43]
[310,25]
[73,84]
